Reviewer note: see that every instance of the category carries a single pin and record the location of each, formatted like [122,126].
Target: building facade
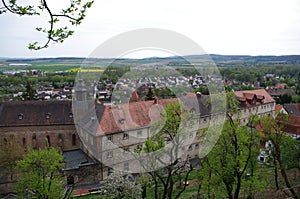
[108,133]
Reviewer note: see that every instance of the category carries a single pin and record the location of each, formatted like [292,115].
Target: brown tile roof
[118,118]
[259,93]
[32,113]
[249,96]
[278,108]
[292,125]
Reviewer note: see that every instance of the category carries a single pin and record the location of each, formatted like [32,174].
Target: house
[276,93]
[253,102]
[292,123]
[281,86]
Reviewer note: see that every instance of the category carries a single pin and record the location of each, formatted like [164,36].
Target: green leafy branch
[75,13]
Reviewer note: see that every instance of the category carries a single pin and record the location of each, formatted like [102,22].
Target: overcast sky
[230,27]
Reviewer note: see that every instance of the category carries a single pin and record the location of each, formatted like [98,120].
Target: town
[98,134]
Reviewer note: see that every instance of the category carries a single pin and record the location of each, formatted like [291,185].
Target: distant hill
[220,60]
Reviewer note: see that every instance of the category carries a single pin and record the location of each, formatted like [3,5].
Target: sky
[228,27]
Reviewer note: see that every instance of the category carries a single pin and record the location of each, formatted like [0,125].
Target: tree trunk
[288,184]
[283,172]
[229,190]
[276,175]
[238,187]
[170,189]
[155,187]
[144,192]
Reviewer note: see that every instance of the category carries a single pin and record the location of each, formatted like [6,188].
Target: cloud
[224,27]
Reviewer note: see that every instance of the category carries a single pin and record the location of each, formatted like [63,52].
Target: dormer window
[121,121]
[20,116]
[48,115]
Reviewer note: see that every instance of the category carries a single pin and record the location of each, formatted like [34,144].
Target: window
[60,141]
[34,142]
[24,142]
[204,119]
[190,148]
[48,140]
[74,139]
[192,111]
[109,138]
[139,133]
[126,166]
[109,154]
[70,115]
[121,121]
[196,146]
[125,136]
[110,171]
[126,150]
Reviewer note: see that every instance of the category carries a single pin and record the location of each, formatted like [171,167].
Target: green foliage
[120,186]
[284,99]
[232,159]
[282,149]
[75,13]
[40,174]
[29,93]
[149,95]
[290,150]
[176,169]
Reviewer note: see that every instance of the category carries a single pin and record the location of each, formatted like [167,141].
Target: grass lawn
[265,172]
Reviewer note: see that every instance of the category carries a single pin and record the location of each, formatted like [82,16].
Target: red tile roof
[292,125]
[118,118]
[249,94]
[278,108]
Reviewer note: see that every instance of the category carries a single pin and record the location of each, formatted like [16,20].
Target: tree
[120,185]
[284,99]
[280,151]
[150,95]
[75,13]
[10,153]
[176,168]
[40,174]
[233,158]
[145,181]
[29,93]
